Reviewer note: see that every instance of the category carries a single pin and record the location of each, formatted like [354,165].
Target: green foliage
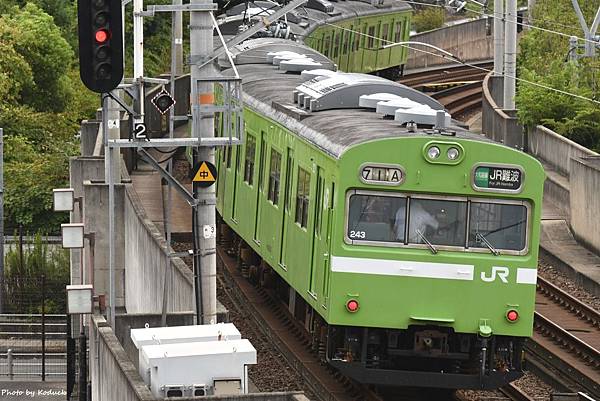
[33,34]
[428,18]
[23,276]
[544,59]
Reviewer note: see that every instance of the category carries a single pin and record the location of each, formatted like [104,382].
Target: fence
[33,329]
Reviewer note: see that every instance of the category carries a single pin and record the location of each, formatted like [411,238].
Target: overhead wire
[459,61]
[501,17]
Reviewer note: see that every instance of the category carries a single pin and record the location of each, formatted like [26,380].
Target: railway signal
[100,44]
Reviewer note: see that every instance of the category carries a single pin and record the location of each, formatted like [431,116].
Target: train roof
[270,91]
[307,18]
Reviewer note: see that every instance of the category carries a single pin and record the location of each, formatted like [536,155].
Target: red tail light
[512,315]
[352,305]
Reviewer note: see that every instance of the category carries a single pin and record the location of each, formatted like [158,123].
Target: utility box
[198,368]
[179,334]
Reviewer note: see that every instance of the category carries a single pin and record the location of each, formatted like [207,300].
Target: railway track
[458,87]
[288,336]
[566,340]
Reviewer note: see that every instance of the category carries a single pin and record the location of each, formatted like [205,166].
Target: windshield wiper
[429,244]
[480,238]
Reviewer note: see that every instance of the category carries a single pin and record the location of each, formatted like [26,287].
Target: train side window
[288,179]
[346,41]
[274,176]
[398,32]
[249,165]
[302,197]
[371,38]
[326,45]
[336,45]
[384,34]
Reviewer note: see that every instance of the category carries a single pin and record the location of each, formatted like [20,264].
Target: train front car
[433,262]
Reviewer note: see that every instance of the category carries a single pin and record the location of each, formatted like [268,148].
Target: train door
[260,191]
[327,223]
[346,50]
[234,177]
[286,216]
[316,265]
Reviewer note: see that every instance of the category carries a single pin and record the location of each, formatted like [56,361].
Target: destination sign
[382,174]
[497,178]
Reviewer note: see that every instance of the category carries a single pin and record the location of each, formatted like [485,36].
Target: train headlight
[512,315]
[352,305]
[433,152]
[453,153]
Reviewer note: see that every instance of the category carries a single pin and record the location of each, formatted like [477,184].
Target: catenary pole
[201,46]
[510,56]
[498,37]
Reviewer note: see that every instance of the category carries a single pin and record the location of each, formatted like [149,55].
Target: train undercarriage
[419,356]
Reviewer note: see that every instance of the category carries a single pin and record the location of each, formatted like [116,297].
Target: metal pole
[178,40]
[138,51]
[510,57]
[498,37]
[9,362]
[175,39]
[82,367]
[201,46]
[2,284]
[111,238]
[43,327]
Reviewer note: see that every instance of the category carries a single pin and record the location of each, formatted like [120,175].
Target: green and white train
[353,34]
[405,245]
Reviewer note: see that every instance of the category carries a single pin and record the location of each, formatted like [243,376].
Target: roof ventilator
[343,90]
[405,110]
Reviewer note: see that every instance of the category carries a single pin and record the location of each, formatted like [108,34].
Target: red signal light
[102,36]
[352,305]
[512,315]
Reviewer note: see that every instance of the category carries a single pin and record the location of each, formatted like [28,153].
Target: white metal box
[180,334]
[214,365]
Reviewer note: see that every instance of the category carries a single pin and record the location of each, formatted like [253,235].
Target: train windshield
[497,225]
[491,226]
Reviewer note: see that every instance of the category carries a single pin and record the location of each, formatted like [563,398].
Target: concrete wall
[497,123]
[470,41]
[88,135]
[585,202]
[113,375]
[145,265]
[95,196]
[555,149]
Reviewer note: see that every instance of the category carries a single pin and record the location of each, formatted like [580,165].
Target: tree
[33,35]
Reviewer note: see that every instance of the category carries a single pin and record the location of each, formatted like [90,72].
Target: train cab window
[274,174]
[371,38]
[398,32]
[384,34]
[249,165]
[376,218]
[498,226]
[302,197]
[439,222]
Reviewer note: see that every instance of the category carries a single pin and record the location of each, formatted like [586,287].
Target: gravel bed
[547,271]
[534,387]
[272,372]
[478,395]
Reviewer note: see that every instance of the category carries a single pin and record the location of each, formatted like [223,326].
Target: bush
[428,19]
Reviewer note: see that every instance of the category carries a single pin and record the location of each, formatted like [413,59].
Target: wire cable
[458,61]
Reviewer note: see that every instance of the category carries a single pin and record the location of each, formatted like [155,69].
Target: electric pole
[498,37]
[510,55]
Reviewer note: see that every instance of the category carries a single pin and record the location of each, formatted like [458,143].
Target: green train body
[390,309]
[352,33]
